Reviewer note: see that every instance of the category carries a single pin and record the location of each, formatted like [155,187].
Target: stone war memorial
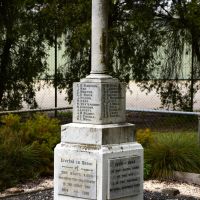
[98,157]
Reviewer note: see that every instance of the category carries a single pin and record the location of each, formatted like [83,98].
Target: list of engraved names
[77,177]
[103,99]
[111,97]
[86,101]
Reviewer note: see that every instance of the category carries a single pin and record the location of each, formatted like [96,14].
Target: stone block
[99,102]
[97,134]
[98,172]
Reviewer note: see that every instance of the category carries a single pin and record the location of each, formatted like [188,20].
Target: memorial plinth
[98,157]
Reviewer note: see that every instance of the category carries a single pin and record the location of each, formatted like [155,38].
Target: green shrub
[67,114]
[11,121]
[144,137]
[26,149]
[173,152]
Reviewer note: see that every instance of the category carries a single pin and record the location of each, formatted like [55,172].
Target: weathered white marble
[99,103]
[104,156]
[97,134]
[99,36]
[124,177]
[77,177]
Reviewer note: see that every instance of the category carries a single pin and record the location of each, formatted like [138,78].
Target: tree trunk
[4,65]
[192,79]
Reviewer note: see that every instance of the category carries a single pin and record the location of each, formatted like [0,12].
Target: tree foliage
[140,31]
[26,27]
[22,50]
[180,21]
[132,41]
[144,36]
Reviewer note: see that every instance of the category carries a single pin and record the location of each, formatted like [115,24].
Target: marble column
[99,36]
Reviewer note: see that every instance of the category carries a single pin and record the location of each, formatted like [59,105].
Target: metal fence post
[199,129]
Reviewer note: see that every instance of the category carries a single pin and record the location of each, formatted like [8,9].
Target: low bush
[173,152]
[26,148]
[144,137]
[67,114]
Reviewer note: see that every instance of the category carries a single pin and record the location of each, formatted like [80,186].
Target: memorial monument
[98,157]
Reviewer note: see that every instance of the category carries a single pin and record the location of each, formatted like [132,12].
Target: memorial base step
[97,134]
[87,171]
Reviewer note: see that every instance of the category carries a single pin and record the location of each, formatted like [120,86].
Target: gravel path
[48,195]
[41,189]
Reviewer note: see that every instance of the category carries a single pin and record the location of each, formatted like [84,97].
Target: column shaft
[99,36]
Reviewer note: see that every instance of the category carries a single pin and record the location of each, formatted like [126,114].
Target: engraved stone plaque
[77,177]
[99,103]
[86,102]
[111,100]
[123,177]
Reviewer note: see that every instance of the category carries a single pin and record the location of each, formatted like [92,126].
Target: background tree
[132,44]
[180,21]
[22,50]
[139,32]
[26,32]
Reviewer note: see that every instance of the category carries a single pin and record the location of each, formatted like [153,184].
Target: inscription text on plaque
[77,177]
[123,177]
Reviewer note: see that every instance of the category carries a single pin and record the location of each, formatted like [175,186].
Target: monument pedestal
[103,168]
[98,157]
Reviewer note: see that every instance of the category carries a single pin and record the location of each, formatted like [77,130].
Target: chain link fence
[156,120]
[142,110]
[135,98]
[161,121]
[164,121]
[63,114]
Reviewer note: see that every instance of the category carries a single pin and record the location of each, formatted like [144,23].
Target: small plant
[11,121]
[18,161]
[173,152]
[147,170]
[144,137]
[43,133]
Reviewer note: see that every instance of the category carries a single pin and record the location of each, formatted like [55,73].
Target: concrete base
[86,171]
[191,178]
